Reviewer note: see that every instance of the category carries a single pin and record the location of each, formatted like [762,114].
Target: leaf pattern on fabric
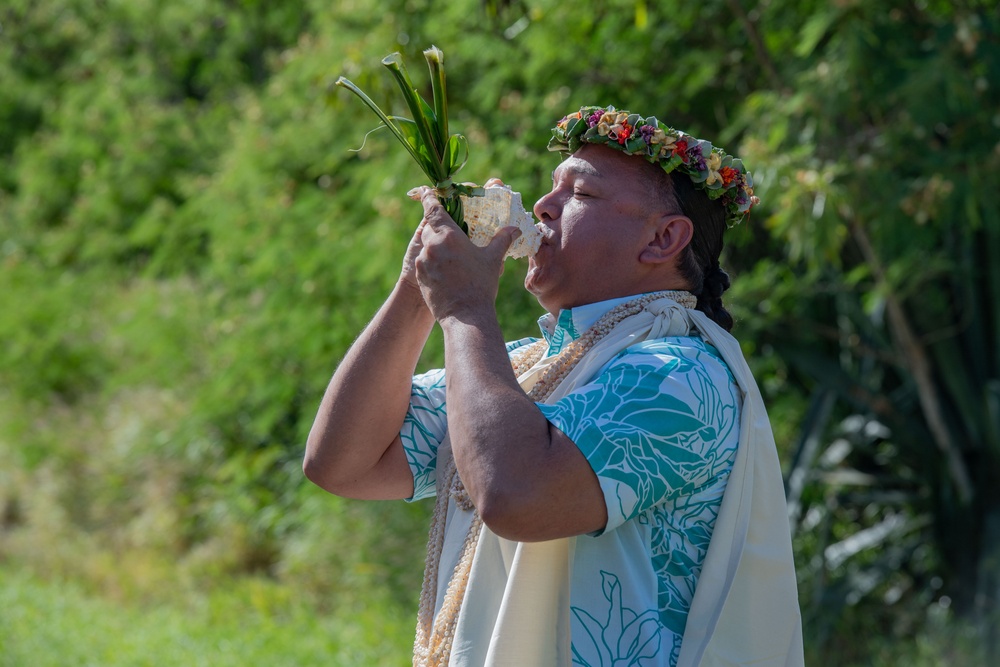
[424,427]
[660,427]
[651,422]
[623,639]
[564,333]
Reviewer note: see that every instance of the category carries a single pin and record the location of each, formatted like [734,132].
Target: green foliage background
[189,241]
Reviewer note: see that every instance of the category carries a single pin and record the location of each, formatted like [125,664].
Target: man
[580,479]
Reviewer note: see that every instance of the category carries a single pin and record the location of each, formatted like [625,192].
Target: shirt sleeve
[659,423]
[424,427]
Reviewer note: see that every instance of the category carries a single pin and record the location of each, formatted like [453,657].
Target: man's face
[596,220]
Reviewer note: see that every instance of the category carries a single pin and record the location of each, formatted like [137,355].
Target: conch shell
[501,207]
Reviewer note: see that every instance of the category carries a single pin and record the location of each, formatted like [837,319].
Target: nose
[546,208]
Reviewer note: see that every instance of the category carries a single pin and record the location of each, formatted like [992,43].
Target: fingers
[434,213]
[494,182]
[501,243]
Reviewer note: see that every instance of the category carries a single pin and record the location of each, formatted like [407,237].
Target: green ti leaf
[425,136]
[435,63]
[396,131]
[457,153]
[418,107]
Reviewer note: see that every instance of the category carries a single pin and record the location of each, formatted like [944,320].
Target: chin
[531,278]
[541,282]
[531,286]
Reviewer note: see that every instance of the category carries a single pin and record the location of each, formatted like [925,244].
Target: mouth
[547,234]
[546,244]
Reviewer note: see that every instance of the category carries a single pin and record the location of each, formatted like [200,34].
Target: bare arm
[354,448]
[528,480]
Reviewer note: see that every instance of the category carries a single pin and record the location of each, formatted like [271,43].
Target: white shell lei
[432,646]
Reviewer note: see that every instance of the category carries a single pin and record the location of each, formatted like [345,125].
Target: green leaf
[440,141]
[418,107]
[435,63]
[386,120]
[419,150]
[814,30]
[457,153]
[635,144]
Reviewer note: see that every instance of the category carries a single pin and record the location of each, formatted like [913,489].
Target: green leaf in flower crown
[635,144]
[574,127]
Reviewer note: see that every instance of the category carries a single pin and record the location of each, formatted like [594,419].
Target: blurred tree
[882,147]
[190,237]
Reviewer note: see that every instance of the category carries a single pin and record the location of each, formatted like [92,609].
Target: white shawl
[745,608]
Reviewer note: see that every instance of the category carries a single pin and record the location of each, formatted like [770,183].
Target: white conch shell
[501,207]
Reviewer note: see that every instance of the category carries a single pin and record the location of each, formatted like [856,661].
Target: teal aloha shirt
[659,425]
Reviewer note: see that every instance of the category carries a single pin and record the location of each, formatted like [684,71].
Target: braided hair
[699,262]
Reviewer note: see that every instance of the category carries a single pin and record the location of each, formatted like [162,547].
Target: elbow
[313,469]
[309,467]
[536,513]
[499,518]
[324,475]
[510,516]
[318,468]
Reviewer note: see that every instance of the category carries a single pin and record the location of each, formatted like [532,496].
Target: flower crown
[721,176]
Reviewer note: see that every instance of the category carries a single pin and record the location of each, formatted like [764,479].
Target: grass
[250,622]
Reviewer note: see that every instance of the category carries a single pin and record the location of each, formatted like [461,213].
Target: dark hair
[699,262]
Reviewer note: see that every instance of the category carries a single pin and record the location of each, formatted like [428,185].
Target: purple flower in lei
[698,159]
[594,118]
[647,132]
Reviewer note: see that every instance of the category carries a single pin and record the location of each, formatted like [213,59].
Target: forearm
[366,401]
[517,467]
[490,418]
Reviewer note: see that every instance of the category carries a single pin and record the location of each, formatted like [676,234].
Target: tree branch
[917,365]
[760,49]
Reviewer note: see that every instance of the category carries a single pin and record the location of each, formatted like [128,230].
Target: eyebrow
[579,168]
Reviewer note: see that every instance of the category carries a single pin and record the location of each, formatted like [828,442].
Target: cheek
[588,238]
[576,233]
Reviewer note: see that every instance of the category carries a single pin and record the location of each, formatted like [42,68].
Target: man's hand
[408,275]
[456,278]
[528,480]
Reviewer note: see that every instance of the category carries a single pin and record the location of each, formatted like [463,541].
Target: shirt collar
[559,331]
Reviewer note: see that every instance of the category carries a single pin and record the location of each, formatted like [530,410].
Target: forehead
[609,170]
[575,166]
[601,162]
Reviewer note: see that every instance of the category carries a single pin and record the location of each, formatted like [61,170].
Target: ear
[672,234]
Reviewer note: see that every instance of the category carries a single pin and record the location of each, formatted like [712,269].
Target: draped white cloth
[745,608]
